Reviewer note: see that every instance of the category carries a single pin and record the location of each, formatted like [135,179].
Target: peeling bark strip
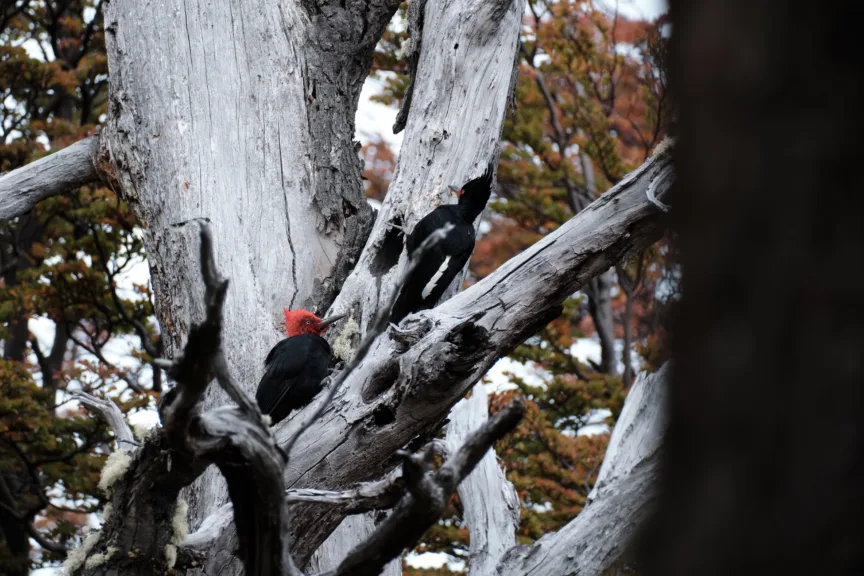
[623,497]
[60,172]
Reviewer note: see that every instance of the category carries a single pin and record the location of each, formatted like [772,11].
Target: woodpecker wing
[440,265]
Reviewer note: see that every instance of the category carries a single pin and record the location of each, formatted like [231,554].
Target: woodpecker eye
[309,322]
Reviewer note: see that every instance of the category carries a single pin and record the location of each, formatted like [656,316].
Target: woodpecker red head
[296,366]
[304,322]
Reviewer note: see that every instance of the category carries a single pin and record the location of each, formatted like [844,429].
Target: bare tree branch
[412,56]
[389,400]
[57,173]
[111,413]
[377,495]
[427,499]
[623,496]
[490,502]
[236,439]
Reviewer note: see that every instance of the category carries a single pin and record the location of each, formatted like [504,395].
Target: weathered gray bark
[54,174]
[349,533]
[459,99]
[111,413]
[221,128]
[622,499]
[489,501]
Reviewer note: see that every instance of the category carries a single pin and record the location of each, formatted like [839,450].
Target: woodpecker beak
[456,190]
[332,319]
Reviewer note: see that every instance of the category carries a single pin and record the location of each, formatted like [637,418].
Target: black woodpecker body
[447,258]
[296,366]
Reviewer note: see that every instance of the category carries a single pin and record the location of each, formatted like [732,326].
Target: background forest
[590,106]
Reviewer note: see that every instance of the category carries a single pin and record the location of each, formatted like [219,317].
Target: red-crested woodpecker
[296,366]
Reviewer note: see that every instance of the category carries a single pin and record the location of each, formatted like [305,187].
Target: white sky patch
[434,560]
[596,423]
[628,51]
[636,9]
[374,121]
[530,373]
[35,51]
[148,418]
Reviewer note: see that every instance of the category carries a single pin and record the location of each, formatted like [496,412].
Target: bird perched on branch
[445,260]
[296,366]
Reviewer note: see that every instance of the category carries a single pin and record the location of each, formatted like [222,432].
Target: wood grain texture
[490,504]
[242,114]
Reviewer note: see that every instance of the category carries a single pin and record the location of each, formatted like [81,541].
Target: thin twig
[143,334]
[94,350]
[377,495]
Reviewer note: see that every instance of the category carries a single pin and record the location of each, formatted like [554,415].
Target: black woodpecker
[296,366]
[447,258]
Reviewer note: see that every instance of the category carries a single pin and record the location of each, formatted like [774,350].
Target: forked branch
[111,413]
